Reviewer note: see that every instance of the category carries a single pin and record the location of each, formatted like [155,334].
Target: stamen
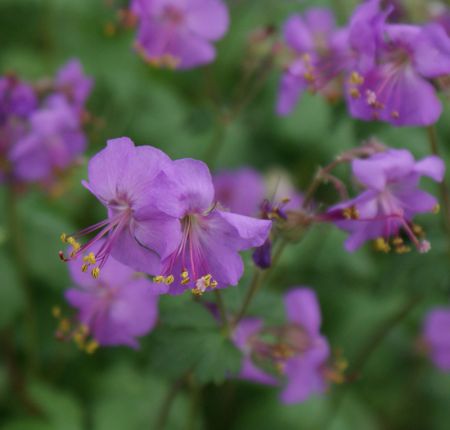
[356,78]
[350,213]
[382,245]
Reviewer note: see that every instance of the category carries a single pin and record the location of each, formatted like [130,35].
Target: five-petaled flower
[384,212]
[178,34]
[295,352]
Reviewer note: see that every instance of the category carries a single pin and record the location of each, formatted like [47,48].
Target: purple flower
[436,332]
[396,87]
[207,253]
[17,99]
[53,142]
[116,308]
[241,191]
[72,82]
[17,102]
[131,183]
[440,14]
[179,33]
[321,53]
[385,209]
[296,352]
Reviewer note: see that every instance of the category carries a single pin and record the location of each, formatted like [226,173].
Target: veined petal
[195,186]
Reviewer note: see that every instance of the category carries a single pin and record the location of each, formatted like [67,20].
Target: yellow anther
[397,241]
[350,213]
[91,347]
[84,267]
[309,76]
[355,93]
[417,230]
[306,58]
[64,325]
[158,279]
[437,208]
[79,339]
[381,245]
[63,238]
[83,329]
[356,79]
[196,292]
[402,249]
[185,281]
[90,258]
[185,274]
[213,284]
[169,280]
[95,272]
[56,312]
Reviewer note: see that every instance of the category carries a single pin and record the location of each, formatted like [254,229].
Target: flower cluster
[384,211]
[294,354]
[385,69]
[178,34]
[41,127]
[163,220]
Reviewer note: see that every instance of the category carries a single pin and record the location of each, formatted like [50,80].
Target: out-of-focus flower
[396,87]
[436,333]
[17,99]
[73,83]
[246,192]
[17,102]
[385,210]
[131,183]
[294,354]
[440,14]
[240,191]
[114,309]
[41,131]
[207,253]
[53,142]
[179,33]
[321,53]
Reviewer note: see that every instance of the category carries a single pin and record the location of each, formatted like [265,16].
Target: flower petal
[303,309]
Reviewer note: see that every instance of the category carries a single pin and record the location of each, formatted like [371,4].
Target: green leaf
[129,398]
[60,408]
[208,353]
[179,312]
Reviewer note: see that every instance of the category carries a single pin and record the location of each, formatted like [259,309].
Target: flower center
[189,260]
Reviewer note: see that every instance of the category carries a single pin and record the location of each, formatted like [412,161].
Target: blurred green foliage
[180,113]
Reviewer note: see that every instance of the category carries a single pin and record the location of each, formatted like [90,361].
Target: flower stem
[444,190]
[368,349]
[255,284]
[168,400]
[17,247]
